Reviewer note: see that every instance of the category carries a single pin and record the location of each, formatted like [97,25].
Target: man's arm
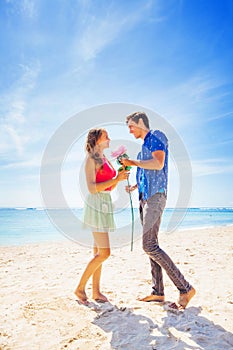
[156,163]
[131,188]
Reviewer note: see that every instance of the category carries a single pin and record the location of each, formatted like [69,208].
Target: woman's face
[104,140]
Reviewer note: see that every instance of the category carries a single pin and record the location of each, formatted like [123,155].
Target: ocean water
[20,226]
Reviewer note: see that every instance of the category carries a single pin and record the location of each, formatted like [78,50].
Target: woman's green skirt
[98,212]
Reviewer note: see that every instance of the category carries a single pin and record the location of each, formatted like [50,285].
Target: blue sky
[60,57]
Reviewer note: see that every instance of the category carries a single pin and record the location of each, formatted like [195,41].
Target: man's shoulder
[158,132]
[159,135]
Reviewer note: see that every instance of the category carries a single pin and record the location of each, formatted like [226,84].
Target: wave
[21,208]
[168,210]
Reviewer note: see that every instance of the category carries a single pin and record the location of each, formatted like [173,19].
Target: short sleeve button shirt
[152,181]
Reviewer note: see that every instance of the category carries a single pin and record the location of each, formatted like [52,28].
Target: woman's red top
[105,173]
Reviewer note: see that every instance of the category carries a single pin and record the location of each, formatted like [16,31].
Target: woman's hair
[92,138]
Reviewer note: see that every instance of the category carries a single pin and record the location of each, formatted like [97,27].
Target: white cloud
[206,167]
[200,87]
[189,102]
[17,139]
[101,28]
[28,8]
[13,109]
[220,116]
[31,163]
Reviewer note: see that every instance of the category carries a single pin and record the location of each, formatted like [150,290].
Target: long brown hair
[91,141]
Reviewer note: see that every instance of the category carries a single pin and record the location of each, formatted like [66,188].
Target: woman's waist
[106,191]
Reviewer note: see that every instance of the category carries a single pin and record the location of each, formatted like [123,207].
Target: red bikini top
[105,173]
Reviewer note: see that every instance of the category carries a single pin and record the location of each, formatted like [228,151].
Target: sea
[20,226]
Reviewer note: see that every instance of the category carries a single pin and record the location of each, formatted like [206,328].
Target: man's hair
[136,116]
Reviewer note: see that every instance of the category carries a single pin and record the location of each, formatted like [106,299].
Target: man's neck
[144,133]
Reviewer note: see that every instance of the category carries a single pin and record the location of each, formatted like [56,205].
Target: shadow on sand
[185,330]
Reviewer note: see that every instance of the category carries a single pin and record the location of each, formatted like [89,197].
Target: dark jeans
[151,213]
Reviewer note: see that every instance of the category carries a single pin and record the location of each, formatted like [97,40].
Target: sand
[40,311]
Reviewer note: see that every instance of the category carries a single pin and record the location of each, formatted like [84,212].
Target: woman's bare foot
[81,295]
[152,297]
[100,298]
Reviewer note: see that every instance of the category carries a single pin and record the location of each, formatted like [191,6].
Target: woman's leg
[102,249]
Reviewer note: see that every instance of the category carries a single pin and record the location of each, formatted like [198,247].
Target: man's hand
[155,163]
[130,188]
[127,162]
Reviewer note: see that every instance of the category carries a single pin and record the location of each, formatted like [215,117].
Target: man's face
[134,129]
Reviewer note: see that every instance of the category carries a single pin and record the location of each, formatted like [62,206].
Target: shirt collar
[147,135]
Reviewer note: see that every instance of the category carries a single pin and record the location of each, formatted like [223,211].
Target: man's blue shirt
[152,181]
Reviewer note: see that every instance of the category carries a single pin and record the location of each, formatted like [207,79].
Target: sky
[61,57]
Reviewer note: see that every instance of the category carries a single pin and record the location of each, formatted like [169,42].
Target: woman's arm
[93,186]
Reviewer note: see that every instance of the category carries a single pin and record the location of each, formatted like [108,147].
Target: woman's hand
[122,175]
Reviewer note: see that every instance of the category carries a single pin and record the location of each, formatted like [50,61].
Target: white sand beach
[40,311]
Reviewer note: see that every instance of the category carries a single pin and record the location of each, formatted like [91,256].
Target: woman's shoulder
[91,164]
[89,161]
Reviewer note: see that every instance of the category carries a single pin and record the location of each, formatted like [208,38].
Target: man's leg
[153,208]
[157,293]
[160,257]
[156,270]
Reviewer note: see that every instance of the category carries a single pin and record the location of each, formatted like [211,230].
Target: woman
[101,178]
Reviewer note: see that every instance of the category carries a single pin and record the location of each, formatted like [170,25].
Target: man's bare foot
[152,297]
[82,297]
[184,299]
[100,298]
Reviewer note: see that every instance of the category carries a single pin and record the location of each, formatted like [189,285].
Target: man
[152,174]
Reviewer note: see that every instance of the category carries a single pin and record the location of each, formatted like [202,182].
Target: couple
[151,176]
